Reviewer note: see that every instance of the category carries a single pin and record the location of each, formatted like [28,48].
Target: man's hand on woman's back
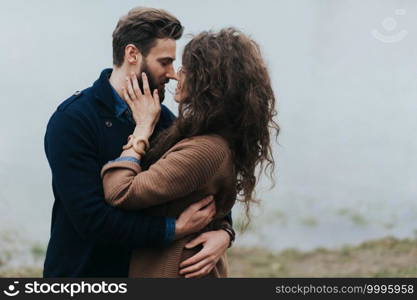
[197,216]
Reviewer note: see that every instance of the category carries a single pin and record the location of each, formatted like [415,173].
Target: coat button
[109,124]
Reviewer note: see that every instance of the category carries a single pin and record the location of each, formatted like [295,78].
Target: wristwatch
[229,230]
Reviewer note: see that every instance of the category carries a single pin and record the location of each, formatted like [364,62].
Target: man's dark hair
[141,27]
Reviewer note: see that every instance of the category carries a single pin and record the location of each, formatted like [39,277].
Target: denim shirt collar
[120,105]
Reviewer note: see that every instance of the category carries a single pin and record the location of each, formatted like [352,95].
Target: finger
[206,212]
[197,241]
[135,84]
[196,267]
[194,259]
[126,97]
[206,201]
[214,209]
[203,272]
[146,89]
[202,203]
[156,97]
[130,89]
[212,206]
[210,210]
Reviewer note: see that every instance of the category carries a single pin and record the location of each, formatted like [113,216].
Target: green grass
[355,217]
[387,257]
[22,272]
[309,221]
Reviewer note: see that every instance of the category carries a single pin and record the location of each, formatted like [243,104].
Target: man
[88,237]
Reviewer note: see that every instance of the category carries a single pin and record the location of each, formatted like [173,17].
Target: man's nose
[172,74]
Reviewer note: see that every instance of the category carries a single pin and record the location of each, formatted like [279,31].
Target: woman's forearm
[131,153]
[185,168]
[143,131]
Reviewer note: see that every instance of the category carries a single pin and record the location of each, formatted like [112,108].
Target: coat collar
[103,91]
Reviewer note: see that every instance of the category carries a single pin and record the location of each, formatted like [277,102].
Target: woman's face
[180,90]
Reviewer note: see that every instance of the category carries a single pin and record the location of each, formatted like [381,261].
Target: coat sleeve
[73,159]
[184,170]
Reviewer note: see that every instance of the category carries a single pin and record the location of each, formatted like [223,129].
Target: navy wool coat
[90,238]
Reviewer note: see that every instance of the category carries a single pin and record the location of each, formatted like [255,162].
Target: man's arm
[72,156]
[215,244]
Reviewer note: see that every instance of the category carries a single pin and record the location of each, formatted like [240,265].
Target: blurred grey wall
[344,73]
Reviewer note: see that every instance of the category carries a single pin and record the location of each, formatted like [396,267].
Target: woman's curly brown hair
[228,92]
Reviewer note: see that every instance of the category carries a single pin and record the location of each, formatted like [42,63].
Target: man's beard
[152,82]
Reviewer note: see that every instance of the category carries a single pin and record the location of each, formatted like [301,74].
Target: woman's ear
[133,55]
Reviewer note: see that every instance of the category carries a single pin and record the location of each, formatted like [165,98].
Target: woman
[226,108]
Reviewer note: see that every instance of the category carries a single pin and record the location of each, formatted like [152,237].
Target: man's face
[158,66]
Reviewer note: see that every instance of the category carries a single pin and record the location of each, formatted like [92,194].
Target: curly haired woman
[222,135]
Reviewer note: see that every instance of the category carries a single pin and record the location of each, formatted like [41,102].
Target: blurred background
[344,73]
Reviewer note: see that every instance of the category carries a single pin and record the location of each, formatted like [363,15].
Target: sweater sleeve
[188,166]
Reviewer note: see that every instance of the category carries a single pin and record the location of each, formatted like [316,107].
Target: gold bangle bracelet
[133,142]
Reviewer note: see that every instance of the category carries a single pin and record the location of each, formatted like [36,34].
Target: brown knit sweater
[192,169]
